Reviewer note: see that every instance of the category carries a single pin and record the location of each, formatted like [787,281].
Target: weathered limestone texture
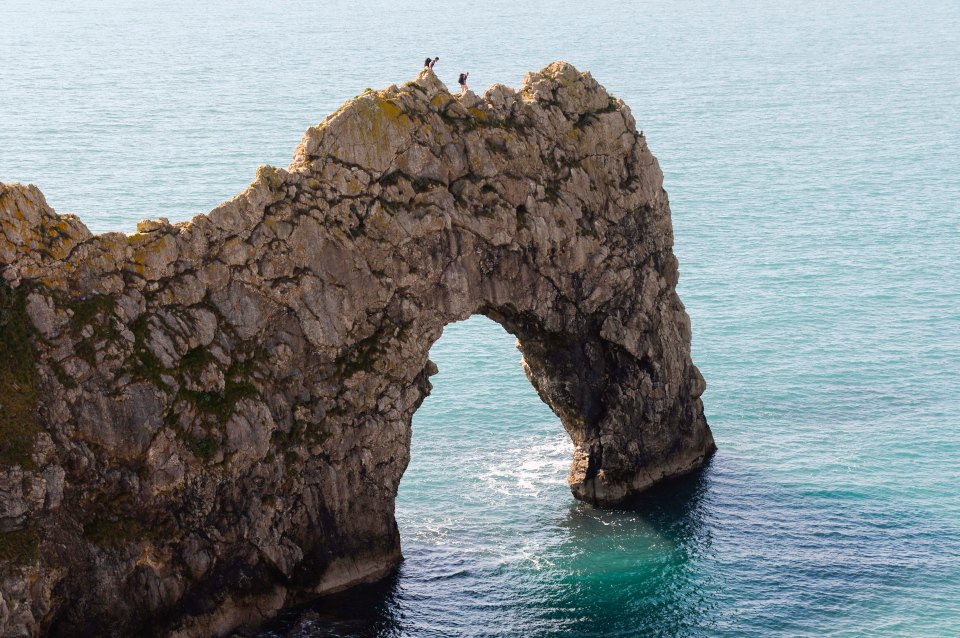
[204,422]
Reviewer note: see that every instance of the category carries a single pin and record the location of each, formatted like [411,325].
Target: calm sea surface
[812,154]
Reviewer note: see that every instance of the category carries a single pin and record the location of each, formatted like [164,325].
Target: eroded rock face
[206,421]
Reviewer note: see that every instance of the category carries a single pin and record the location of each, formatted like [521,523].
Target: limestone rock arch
[206,421]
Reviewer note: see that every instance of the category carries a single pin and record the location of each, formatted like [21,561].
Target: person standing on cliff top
[428,63]
[463,82]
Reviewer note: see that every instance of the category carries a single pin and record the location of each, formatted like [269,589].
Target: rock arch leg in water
[206,421]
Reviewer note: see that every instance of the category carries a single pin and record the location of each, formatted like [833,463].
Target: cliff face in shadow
[204,422]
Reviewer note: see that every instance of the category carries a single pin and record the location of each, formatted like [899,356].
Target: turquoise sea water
[811,155]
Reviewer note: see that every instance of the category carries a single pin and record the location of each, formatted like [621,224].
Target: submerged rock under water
[205,422]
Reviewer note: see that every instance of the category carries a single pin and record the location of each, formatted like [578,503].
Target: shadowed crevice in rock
[210,419]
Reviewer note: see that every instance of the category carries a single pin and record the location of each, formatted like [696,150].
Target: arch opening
[482,434]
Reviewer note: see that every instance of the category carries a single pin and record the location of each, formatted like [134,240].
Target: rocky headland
[205,422]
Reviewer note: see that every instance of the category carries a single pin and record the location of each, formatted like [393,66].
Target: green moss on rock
[214,408]
[19,546]
[203,447]
[99,313]
[86,311]
[112,531]
[196,361]
[143,364]
[219,404]
[362,356]
[115,529]
[19,381]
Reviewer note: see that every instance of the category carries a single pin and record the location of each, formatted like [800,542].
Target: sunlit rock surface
[204,422]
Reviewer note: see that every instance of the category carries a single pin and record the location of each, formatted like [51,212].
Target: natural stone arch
[212,418]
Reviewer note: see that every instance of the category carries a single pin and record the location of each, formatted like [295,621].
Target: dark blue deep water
[812,155]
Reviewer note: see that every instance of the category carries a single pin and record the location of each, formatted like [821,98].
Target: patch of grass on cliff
[216,406]
[85,311]
[19,381]
[145,365]
[19,546]
[220,404]
[362,355]
[196,361]
[114,530]
[236,388]
[98,312]
[202,447]
[65,379]
[112,520]
[300,433]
